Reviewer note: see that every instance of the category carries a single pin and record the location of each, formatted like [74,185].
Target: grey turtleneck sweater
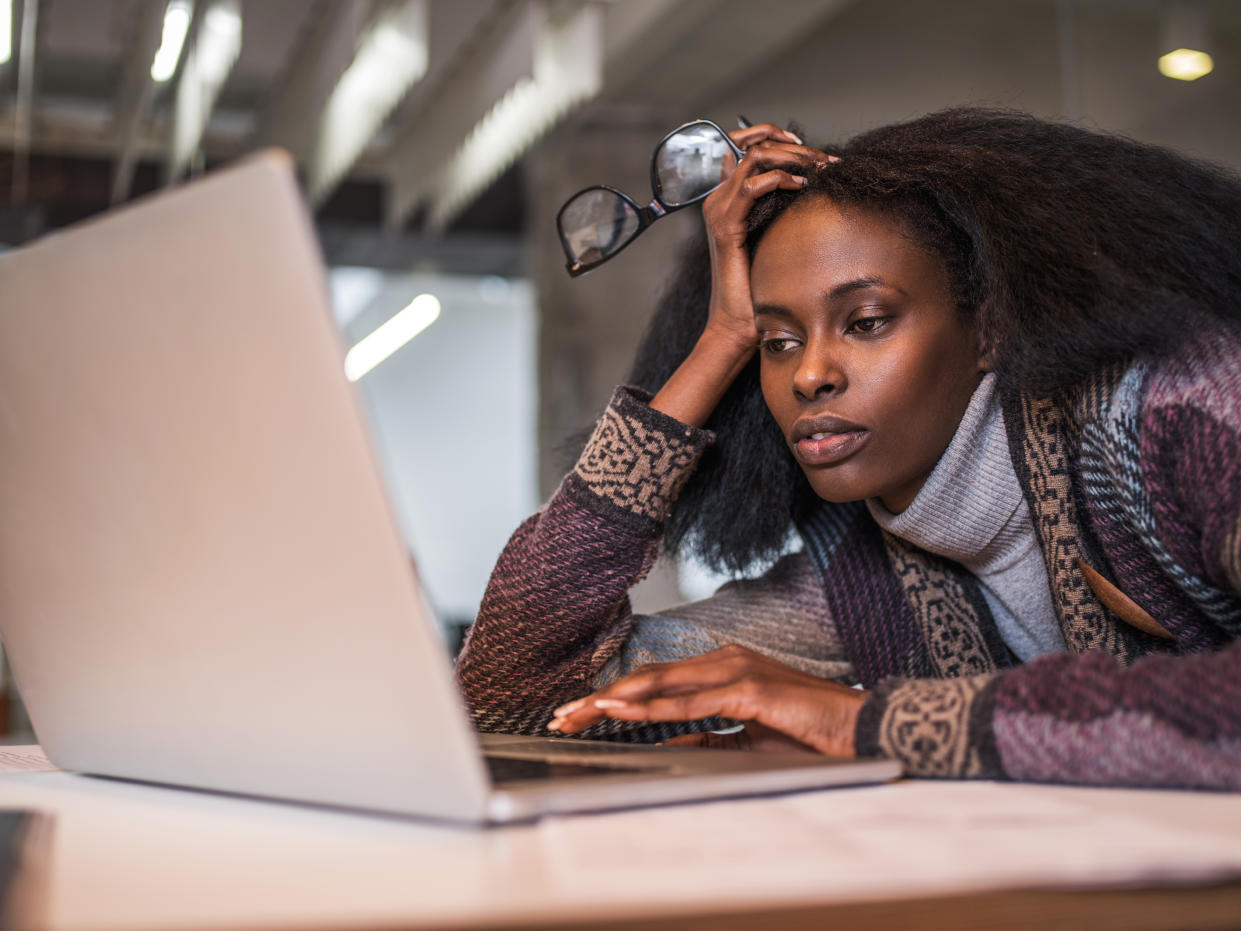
[971,510]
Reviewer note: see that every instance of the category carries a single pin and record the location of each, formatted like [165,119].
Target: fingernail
[554,724]
[795,136]
[802,180]
[569,707]
[610,703]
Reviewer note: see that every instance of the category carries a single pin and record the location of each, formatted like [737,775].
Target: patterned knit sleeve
[557,608]
[1170,721]
[1165,720]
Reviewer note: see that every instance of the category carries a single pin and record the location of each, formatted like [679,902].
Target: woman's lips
[829,448]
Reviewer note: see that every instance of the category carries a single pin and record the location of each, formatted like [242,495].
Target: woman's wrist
[698,384]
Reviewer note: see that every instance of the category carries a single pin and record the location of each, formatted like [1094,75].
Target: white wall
[454,416]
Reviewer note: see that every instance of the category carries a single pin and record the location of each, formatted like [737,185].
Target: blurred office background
[438,138]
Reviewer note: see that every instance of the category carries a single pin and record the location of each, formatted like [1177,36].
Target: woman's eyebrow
[857,284]
[840,290]
[772,310]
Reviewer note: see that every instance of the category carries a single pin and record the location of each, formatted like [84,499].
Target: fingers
[751,135]
[741,700]
[766,167]
[773,155]
[733,682]
[576,716]
[708,670]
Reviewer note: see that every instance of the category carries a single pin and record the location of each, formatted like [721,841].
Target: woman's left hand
[733,682]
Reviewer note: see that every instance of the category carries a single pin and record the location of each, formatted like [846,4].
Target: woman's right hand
[774,159]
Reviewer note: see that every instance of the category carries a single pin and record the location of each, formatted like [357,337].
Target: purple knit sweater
[1134,488]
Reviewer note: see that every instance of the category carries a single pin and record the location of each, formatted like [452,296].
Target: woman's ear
[982,352]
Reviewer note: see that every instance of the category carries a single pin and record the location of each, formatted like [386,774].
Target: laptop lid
[201,581]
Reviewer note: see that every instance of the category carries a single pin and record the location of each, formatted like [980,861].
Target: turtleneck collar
[969,508]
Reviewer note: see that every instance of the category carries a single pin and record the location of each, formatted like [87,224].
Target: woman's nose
[819,371]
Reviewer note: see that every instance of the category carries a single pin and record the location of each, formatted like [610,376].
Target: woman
[998,395]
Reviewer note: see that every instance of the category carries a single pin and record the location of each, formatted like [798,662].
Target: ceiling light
[1185,64]
[390,59]
[1184,43]
[176,25]
[421,312]
[567,70]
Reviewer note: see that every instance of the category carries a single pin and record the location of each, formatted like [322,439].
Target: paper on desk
[911,838]
[25,759]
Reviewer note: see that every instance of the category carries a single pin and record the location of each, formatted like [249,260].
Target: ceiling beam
[528,66]
[391,57]
[491,63]
[24,113]
[210,57]
[702,49]
[568,70]
[329,43]
[133,99]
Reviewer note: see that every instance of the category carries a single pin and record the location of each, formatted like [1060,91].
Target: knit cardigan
[1134,487]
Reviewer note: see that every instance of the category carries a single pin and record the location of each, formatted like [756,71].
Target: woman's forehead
[820,243]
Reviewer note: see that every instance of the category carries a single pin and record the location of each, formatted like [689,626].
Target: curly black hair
[1068,250]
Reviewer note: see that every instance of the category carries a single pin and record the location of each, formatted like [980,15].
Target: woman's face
[867,365]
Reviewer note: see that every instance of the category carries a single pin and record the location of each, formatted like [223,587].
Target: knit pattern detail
[637,459]
[1042,434]
[1162,721]
[953,620]
[1190,450]
[1115,487]
[865,600]
[555,621]
[540,633]
[935,728]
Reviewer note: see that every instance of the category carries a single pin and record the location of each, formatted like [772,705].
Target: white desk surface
[131,856]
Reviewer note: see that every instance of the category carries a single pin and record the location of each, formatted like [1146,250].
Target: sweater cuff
[638,458]
[937,728]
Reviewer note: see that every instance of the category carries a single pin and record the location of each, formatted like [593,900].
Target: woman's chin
[840,492]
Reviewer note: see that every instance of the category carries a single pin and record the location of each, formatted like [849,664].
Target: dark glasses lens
[691,163]
[596,224]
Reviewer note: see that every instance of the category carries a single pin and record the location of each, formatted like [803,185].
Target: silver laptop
[201,580]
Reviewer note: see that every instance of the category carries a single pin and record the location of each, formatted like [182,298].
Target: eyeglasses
[687,165]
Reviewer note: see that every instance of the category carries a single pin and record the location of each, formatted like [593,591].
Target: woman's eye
[867,324]
[775,345]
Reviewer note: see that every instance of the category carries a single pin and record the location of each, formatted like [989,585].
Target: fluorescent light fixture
[176,25]
[207,64]
[420,313]
[1185,64]
[219,43]
[391,58]
[6,30]
[568,69]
